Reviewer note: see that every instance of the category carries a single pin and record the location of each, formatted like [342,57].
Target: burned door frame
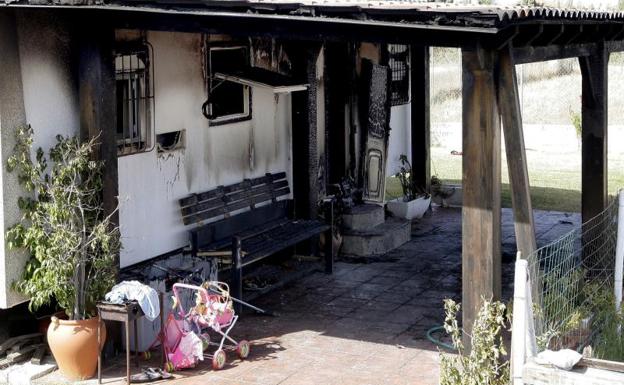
[339,69]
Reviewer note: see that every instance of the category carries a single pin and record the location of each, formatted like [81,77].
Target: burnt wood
[594,133]
[267,227]
[96,91]
[420,116]
[594,128]
[525,55]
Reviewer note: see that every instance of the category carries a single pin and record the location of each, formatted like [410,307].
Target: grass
[555,178]
[550,94]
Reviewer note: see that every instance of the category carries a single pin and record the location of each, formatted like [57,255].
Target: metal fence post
[619,252]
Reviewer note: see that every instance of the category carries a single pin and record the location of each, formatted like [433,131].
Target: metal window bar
[133,66]
[398,60]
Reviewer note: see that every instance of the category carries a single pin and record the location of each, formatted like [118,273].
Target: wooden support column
[96,87]
[420,115]
[511,115]
[305,135]
[481,210]
[594,70]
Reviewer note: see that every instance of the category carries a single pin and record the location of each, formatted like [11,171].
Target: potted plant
[445,195]
[71,242]
[415,200]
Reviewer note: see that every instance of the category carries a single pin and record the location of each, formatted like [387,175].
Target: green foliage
[72,244]
[608,342]
[563,287]
[579,310]
[577,122]
[411,190]
[485,363]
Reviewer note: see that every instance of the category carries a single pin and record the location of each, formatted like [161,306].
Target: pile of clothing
[128,291]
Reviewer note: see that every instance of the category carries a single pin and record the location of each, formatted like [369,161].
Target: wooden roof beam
[523,55]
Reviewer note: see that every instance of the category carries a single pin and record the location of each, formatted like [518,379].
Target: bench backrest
[224,200]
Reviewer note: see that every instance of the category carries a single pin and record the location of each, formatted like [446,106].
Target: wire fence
[572,289]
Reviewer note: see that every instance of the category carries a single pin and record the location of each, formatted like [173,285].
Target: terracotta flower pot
[74,346]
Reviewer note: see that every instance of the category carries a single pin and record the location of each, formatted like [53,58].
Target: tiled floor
[367,323]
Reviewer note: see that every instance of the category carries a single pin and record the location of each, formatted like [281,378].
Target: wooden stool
[121,313]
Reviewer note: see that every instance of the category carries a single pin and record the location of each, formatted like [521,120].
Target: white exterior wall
[50,91]
[150,184]
[50,105]
[400,141]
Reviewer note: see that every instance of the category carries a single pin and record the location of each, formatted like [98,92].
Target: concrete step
[363,217]
[376,241]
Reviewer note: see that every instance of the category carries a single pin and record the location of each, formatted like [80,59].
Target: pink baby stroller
[213,310]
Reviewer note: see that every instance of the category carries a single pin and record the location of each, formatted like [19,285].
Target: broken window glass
[228,101]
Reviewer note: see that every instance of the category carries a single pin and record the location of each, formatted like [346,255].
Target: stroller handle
[177,286]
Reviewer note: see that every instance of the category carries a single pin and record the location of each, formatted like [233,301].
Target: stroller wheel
[218,360]
[169,367]
[242,348]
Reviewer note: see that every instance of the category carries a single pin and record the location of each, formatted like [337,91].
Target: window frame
[401,86]
[213,83]
[142,103]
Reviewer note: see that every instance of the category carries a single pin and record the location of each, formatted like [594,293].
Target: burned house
[195,97]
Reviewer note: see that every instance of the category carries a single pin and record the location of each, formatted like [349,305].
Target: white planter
[409,210]
[455,198]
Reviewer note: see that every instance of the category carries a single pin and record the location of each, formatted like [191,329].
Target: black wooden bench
[253,224]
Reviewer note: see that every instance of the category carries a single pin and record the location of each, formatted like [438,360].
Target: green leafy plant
[577,121]
[411,189]
[72,243]
[484,364]
[606,321]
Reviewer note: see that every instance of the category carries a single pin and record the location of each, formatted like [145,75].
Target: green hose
[436,341]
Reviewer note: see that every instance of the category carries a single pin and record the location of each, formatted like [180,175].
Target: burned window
[135,98]
[228,101]
[398,60]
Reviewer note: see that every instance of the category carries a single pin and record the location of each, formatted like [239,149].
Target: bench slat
[222,190]
[297,232]
[233,206]
[223,200]
[224,229]
[266,241]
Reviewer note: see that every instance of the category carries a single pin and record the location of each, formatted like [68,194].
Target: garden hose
[436,341]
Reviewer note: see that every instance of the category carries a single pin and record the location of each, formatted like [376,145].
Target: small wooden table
[121,313]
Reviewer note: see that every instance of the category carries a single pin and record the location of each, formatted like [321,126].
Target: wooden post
[594,70]
[481,210]
[509,105]
[420,115]
[96,87]
[305,136]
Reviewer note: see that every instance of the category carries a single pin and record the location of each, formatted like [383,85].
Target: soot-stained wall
[150,183]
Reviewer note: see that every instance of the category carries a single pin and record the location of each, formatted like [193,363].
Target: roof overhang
[535,33]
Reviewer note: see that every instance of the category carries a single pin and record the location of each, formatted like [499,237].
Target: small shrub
[71,241]
[485,363]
